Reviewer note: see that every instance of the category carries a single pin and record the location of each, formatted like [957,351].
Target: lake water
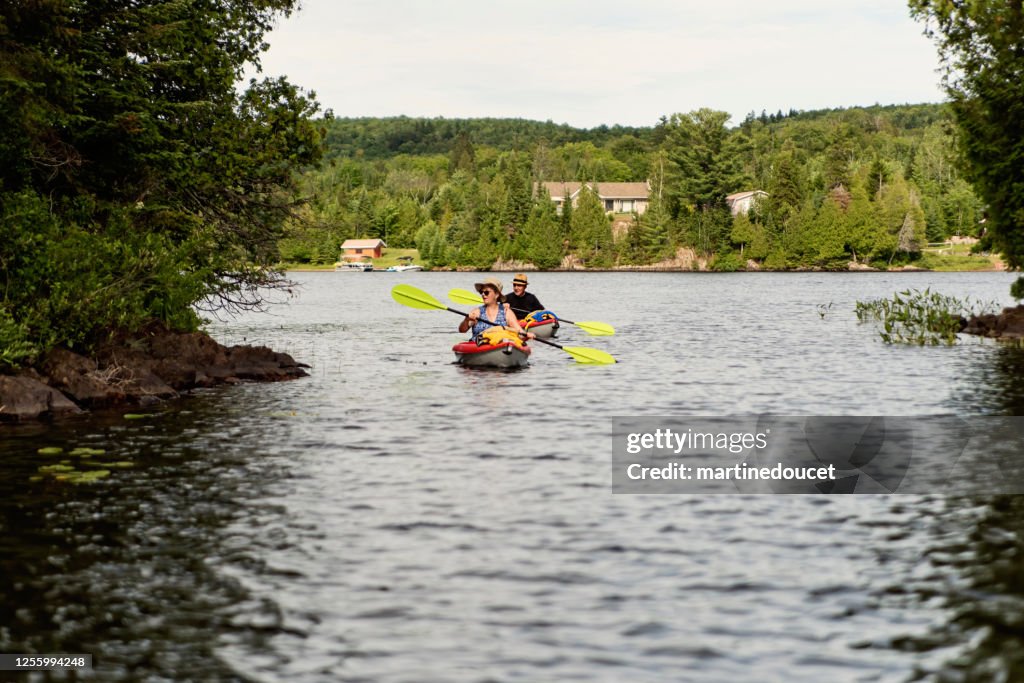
[395,517]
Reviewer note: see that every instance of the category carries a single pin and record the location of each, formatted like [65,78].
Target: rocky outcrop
[146,368]
[1006,325]
[25,397]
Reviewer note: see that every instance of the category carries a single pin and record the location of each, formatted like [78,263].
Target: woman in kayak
[493,309]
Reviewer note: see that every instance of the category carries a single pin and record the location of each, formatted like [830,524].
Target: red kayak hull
[504,355]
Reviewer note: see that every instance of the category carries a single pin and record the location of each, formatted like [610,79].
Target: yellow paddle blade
[407,295]
[595,328]
[464,296]
[589,356]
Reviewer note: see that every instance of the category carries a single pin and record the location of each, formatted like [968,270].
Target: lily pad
[82,450]
[53,469]
[50,450]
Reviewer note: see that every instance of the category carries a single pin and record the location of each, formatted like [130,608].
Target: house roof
[743,195]
[557,190]
[363,244]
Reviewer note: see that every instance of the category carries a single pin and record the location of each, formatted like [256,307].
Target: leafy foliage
[980,45]
[136,182]
[919,317]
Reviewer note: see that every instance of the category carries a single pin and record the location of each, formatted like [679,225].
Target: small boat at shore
[403,269]
[352,267]
[543,324]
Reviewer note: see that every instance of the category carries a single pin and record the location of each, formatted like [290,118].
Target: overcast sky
[592,62]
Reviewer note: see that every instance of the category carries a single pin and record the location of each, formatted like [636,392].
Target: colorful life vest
[495,336]
[481,326]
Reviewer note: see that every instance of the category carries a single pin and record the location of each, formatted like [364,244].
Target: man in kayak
[522,302]
[493,309]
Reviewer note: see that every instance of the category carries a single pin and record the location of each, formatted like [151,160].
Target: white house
[742,202]
[616,197]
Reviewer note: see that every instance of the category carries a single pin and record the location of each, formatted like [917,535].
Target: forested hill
[381,138]
[858,187]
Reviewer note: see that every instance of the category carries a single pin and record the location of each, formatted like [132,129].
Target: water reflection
[134,569]
[1008,379]
[974,567]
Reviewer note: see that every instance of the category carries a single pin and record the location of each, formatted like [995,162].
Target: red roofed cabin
[357,250]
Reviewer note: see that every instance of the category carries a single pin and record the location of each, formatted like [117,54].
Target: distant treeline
[871,185]
[382,138]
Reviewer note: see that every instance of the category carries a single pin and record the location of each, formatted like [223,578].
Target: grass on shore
[947,260]
[389,257]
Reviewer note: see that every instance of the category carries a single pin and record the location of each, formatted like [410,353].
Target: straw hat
[492,282]
[520,279]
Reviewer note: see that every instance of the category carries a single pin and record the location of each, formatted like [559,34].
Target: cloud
[588,63]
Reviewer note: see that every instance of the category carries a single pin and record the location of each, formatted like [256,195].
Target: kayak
[542,329]
[543,324]
[495,347]
[504,354]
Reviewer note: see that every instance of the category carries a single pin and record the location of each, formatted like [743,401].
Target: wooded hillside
[871,185]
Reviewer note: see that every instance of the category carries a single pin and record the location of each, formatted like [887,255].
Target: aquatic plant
[923,318]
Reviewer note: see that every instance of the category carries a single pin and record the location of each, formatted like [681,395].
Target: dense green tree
[962,209]
[705,169]
[463,154]
[840,152]
[785,187]
[136,180]
[743,231]
[878,175]
[980,47]
[543,244]
[866,236]
[591,235]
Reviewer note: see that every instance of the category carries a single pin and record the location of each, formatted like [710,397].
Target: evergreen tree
[878,174]
[542,236]
[705,169]
[463,155]
[980,45]
[785,193]
[836,171]
[591,236]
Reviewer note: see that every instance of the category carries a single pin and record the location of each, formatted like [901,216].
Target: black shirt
[523,305]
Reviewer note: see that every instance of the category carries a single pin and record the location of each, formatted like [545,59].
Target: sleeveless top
[479,327]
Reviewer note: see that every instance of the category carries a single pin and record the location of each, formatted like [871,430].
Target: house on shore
[616,197]
[742,202]
[357,250]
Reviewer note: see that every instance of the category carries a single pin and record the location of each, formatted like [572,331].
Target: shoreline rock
[1007,325]
[143,369]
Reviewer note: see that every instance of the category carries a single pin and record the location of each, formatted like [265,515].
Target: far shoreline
[330,269]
